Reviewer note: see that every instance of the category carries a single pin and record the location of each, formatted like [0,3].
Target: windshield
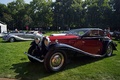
[78,32]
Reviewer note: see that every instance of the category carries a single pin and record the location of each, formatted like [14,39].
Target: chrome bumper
[34,57]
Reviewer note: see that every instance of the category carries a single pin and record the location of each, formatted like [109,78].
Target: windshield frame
[78,32]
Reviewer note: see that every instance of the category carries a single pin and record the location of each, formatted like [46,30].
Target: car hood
[60,34]
[61,37]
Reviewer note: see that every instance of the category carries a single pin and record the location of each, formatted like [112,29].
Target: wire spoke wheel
[56,61]
[109,50]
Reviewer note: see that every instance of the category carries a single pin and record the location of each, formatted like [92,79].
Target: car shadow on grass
[29,71]
[83,60]
[36,71]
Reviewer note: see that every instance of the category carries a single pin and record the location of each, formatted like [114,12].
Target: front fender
[33,43]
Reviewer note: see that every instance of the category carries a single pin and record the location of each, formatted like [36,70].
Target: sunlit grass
[15,64]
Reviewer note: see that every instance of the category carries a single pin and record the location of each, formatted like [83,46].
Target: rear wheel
[109,50]
[55,61]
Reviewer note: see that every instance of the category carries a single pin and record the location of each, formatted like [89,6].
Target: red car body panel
[92,46]
[88,45]
[52,38]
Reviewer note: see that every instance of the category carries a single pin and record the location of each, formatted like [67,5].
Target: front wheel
[31,51]
[55,61]
[109,50]
[12,39]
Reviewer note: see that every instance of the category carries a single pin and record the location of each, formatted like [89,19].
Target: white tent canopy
[3,28]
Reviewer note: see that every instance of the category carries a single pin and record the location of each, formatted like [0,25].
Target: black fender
[33,43]
[106,43]
[65,47]
[41,48]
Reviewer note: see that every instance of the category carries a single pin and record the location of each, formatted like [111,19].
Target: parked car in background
[109,34]
[55,51]
[21,35]
[116,35]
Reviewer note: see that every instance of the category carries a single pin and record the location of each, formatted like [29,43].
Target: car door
[91,43]
[29,35]
[17,34]
[20,34]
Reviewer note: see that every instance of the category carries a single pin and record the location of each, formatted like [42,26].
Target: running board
[34,57]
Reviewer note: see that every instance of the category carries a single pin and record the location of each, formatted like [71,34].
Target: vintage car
[54,51]
[21,35]
[116,35]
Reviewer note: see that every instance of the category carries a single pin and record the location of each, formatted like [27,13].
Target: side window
[101,33]
[95,33]
[81,33]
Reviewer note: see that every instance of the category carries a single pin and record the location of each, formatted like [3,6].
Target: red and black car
[55,50]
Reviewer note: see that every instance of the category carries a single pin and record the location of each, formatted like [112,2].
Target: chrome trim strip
[33,57]
[81,51]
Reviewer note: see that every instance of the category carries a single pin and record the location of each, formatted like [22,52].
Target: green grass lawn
[15,64]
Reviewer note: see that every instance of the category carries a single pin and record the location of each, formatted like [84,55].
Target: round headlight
[47,41]
[37,40]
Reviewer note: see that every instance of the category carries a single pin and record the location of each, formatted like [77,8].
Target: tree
[5,15]
[68,13]
[115,5]
[17,10]
[98,13]
[41,13]
[61,14]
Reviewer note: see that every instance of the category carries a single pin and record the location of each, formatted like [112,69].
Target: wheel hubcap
[56,61]
[12,40]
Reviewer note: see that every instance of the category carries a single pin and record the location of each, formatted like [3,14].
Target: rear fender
[105,45]
[114,45]
[110,42]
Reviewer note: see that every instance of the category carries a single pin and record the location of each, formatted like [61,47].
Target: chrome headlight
[47,41]
[37,40]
